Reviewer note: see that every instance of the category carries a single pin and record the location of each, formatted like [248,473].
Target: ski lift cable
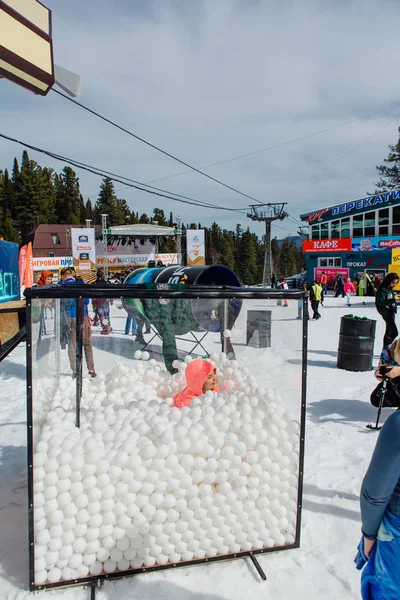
[120,179]
[140,139]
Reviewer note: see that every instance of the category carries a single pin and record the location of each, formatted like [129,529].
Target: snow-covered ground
[338,449]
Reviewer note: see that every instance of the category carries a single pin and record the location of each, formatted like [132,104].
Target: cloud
[210,80]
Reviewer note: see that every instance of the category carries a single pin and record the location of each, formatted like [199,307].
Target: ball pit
[142,483]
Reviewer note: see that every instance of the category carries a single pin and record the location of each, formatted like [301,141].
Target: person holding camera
[385,302]
[389,367]
[379,549]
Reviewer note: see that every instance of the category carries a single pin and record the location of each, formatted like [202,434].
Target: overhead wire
[121,179]
[281,144]
[140,139]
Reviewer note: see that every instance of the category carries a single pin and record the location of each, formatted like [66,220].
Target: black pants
[314,306]
[391,332]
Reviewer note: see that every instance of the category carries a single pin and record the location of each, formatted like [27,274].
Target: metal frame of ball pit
[79,292]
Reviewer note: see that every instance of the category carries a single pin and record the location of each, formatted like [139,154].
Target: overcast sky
[210,80]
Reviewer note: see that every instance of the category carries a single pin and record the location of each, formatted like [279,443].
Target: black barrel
[356,344]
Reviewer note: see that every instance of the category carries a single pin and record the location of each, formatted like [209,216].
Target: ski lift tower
[273,211]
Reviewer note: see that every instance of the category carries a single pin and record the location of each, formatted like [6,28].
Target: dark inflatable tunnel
[207,313]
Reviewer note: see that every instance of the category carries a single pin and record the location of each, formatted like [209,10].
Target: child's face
[211,382]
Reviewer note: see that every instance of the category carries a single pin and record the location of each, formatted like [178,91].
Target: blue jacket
[381,486]
[70,303]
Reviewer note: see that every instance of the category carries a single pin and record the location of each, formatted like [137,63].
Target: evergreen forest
[33,194]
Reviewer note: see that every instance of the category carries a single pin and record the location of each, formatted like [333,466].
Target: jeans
[130,324]
[87,346]
[314,306]
[391,332]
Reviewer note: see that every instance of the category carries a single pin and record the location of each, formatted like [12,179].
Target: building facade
[354,238]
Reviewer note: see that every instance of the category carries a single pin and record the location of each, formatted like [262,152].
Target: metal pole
[57,333]
[267,272]
[78,358]
[179,240]
[105,244]
[226,305]
[88,223]
[29,422]
[258,567]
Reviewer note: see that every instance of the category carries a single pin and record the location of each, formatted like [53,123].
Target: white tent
[142,230]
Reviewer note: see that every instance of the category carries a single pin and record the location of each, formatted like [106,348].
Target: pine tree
[390,172]
[123,213]
[35,196]
[69,202]
[159,216]
[246,259]
[89,213]
[288,258]
[107,203]
[276,257]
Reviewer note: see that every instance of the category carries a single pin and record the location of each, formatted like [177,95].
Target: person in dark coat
[385,302]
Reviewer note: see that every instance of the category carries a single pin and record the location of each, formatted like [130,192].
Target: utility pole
[179,240]
[105,244]
[273,211]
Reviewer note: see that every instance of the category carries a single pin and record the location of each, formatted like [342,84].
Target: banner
[372,244]
[330,273]
[83,248]
[195,245]
[22,265]
[28,280]
[396,256]
[52,263]
[339,245]
[9,279]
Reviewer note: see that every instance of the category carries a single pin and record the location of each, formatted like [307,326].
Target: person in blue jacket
[380,515]
[70,313]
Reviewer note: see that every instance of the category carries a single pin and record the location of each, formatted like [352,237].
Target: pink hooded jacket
[196,373]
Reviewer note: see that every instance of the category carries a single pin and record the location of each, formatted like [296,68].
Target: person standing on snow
[340,286]
[69,304]
[349,290]
[385,302]
[316,296]
[324,282]
[379,548]
[284,286]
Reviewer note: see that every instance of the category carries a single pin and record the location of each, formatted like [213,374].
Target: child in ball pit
[201,376]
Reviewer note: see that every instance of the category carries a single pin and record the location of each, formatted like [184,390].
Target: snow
[338,449]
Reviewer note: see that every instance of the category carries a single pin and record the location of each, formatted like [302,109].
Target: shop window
[383,221]
[335,229]
[315,232]
[358,226]
[396,220]
[334,261]
[345,228]
[369,223]
[324,231]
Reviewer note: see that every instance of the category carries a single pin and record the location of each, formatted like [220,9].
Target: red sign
[389,244]
[316,216]
[330,273]
[339,245]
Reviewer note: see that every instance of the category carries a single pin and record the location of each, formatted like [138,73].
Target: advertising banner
[374,244]
[396,256]
[195,245]
[28,280]
[22,264]
[339,245]
[330,273]
[9,279]
[52,263]
[83,248]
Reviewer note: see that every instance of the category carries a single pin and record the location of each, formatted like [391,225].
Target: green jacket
[385,302]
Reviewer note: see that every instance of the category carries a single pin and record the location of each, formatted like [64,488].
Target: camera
[383,370]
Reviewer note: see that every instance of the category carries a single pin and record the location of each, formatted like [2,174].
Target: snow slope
[338,449]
